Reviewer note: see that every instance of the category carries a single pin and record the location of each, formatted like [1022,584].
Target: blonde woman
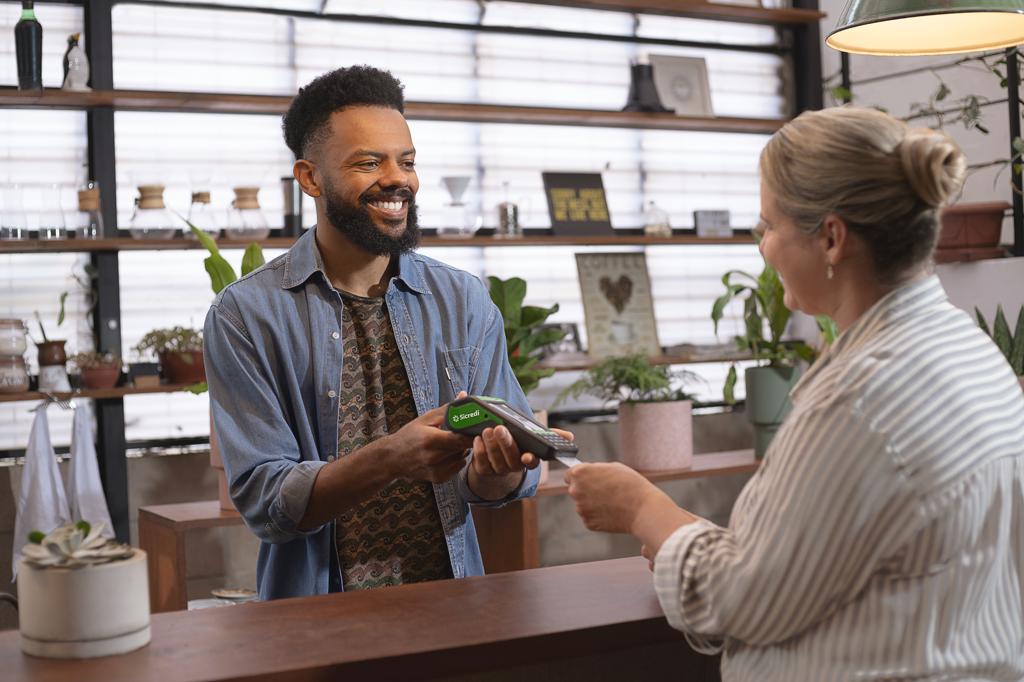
[883,536]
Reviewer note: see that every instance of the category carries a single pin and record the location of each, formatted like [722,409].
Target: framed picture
[617,304]
[682,84]
[577,204]
[712,223]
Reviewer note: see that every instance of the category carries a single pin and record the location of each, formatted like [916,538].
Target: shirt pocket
[459,365]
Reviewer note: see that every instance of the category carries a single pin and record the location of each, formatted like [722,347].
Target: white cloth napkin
[42,505]
[85,491]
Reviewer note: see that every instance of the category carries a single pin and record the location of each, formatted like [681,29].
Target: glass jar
[200,214]
[151,219]
[13,374]
[12,337]
[656,221]
[89,222]
[245,219]
[51,215]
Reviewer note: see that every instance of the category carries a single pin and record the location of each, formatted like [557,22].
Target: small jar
[12,337]
[13,374]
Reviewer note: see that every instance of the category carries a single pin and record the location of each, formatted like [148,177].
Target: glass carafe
[51,214]
[13,223]
[151,220]
[202,215]
[245,219]
[457,219]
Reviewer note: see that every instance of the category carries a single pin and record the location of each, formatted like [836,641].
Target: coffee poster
[617,304]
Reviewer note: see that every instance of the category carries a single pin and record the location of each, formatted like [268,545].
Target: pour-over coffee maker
[457,220]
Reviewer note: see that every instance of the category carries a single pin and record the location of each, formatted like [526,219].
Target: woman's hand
[608,496]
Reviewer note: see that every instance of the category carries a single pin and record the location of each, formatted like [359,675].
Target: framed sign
[682,84]
[712,223]
[577,204]
[617,304]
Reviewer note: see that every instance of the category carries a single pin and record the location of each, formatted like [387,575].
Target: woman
[883,535]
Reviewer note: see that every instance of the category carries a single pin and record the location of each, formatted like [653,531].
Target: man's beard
[356,224]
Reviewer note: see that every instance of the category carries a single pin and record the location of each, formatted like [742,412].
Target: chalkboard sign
[576,204]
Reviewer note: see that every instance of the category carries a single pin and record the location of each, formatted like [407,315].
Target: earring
[829,273]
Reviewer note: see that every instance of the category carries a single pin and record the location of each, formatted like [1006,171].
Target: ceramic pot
[767,402]
[656,436]
[51,353]
[972,225]
[84,612]
[183,367]
[100,377]
[13,374]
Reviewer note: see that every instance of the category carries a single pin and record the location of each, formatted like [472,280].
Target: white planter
[84,612]
[656,436]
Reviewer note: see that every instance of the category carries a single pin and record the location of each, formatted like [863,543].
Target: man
[328,365]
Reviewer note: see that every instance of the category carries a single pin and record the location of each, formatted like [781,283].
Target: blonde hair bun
[933,164]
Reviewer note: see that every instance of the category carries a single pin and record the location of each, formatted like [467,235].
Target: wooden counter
[585,621]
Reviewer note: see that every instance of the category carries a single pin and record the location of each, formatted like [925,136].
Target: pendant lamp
[927,27]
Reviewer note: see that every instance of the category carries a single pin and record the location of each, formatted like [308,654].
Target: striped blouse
[883,536]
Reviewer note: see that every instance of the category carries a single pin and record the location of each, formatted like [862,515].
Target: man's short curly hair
[306,119]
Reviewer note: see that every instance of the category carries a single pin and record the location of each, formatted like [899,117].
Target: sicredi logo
[456,418]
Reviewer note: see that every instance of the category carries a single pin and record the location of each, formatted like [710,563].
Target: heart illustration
[617,293]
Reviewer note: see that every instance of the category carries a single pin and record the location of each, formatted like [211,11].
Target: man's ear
[834,237]
[309,179]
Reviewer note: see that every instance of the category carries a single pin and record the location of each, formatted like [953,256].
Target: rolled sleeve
[668,581]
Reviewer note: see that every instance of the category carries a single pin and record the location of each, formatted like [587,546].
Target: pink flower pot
[656,436]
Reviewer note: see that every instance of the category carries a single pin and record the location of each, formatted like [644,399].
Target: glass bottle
[245,219]
[89,223]
[201,214]
[13,224]
[151,219]
[76,66]
[508,218]
[656,221]
[28,38]
[51,215]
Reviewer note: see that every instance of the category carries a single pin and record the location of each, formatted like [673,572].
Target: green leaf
[508,295]
[981,322]
[1017,347]
[204,239]
[36,537]
[252,258]
[84,527]
[828,327]
[532,315]
[1001,333]
[804,352]
[841,94]
[197,388]
[942,92]
[220,271]
[729,390]
[60,315]
[1018,145]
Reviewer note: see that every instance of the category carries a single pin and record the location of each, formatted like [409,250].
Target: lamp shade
[927,27]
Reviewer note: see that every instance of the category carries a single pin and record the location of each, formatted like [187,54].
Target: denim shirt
[273,354]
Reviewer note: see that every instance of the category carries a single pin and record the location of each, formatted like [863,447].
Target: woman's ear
[834,237]
[309,179]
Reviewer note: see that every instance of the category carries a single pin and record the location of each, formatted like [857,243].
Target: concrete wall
[226,557]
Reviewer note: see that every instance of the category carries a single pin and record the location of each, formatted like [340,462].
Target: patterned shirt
[883,536]
[396,536]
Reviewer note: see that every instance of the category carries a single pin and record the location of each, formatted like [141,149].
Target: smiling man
[327,368]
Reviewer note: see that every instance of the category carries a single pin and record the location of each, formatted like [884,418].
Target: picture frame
[712,223]
[617,304]
[570,344]
[682,84]
[577,204]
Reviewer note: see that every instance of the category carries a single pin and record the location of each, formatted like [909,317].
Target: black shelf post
[806,58]
[1013,100]
[106,286]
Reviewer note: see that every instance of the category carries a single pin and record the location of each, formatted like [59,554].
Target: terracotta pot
[972,225]
[52,353]
[183,367]
[656,436]
[100,377]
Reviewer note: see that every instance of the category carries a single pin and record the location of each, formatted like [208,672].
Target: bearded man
[329,368]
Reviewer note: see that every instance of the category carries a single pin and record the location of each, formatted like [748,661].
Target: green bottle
[28,39]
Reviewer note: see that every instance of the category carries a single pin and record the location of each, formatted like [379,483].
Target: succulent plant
[73,545]
[92,360]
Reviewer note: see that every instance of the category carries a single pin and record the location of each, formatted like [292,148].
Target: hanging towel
[85,492]
[41,502]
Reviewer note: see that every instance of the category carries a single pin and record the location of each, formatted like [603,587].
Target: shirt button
[331,393]
[335,335]
[405,338]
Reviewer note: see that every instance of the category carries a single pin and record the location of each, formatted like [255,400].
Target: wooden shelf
[581,361]
[146,100]
[697,10]
[96,393]
[710,464]
[128,244]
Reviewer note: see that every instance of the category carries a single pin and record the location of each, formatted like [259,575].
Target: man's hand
[424,451]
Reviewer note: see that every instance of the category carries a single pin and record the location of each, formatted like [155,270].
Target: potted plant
[655,412]
[81,595]
[97,370]
[765,317]
[180,351]
[1011,344]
